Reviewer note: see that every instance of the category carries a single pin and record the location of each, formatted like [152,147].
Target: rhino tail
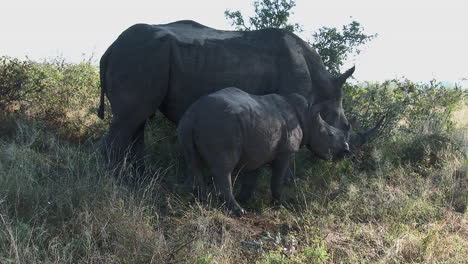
[185,137]
[187,143]
[102,74]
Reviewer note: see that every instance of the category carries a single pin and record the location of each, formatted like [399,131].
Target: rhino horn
[358,139]
[369,133]
[340,80]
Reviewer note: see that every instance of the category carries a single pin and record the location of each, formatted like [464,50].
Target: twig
[173,253]
[13,242]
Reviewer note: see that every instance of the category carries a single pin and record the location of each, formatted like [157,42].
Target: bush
[410,108]
[418,119]
[64,95]
[19,80]
[428,150]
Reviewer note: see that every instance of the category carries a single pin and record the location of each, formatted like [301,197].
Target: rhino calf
[232,131]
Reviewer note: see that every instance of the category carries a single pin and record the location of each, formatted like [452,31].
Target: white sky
[418,39]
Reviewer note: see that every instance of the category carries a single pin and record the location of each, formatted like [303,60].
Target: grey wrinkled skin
[168,67]
[234,131]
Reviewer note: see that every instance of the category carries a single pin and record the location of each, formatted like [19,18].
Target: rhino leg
[137,149]
[125,142]
[279,169]
[136,84]
[248,184]
[194,179]
[223,184]
[289,177]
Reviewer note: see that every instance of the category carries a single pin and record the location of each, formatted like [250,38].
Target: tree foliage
[336,46]
[268,14]
[333,45]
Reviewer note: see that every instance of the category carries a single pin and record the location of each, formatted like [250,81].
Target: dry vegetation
[403,200]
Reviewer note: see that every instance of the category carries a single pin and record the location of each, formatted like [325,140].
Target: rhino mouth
[331,156]
[322,156]
[342,154]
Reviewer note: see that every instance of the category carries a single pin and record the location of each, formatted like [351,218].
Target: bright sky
[418,39]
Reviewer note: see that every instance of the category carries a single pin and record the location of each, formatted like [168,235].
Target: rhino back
[203,60]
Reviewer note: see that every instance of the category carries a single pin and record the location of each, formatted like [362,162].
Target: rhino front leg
[279,169]
[223,186]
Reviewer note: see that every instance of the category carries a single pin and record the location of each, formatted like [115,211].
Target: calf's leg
[194,180]
[223,185]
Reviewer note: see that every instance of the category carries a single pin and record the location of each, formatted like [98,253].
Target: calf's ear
[315,109]
[320,119]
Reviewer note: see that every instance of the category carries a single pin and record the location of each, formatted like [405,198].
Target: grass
[58,205]
[402,200]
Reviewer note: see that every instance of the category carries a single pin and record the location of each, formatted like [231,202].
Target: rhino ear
[340,80]
[320,119]
[315,109]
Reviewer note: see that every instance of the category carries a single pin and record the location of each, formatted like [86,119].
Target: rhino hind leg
[136,84]
[218,147]
[137,150]
[194,179]
[223,185]
[124,146]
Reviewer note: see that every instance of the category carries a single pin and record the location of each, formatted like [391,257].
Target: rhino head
[322,139]
[334,115]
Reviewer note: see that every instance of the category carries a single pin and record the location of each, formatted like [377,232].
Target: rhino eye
[347,127]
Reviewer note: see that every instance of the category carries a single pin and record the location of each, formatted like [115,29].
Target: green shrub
[428,150]
[19,81]
[409,107]
[62,94]
[316,254]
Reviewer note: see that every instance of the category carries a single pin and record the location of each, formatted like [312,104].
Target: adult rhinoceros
[169,66]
